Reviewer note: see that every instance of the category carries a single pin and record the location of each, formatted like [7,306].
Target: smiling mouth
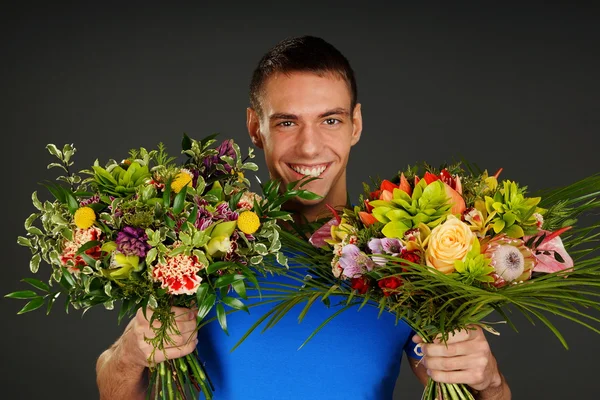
[309,170]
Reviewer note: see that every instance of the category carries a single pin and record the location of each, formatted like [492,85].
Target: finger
[183,314]
[456,336]
[466,377]
[176,351]
[139,315]
[454,349]
[182,327]
[453,363]
[182,340]
[417,339]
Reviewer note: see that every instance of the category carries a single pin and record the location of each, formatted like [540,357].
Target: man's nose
[309,141]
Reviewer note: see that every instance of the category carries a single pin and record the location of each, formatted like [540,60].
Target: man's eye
[332,121]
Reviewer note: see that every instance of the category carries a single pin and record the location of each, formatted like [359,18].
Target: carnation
[179,274]
[73,261]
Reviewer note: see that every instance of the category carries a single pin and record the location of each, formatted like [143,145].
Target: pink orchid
[551,244]
[318,239]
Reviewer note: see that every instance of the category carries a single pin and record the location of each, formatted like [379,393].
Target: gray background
[513,86]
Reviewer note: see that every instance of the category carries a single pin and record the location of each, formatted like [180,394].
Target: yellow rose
[448,242]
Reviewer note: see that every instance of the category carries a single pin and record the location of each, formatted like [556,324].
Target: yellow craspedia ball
[182,179]
[84,217]
[248,222]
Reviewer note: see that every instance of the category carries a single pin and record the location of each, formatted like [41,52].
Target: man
[305,116]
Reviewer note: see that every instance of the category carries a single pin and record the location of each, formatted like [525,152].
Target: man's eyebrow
[293,117]
[282,116]
[335,111]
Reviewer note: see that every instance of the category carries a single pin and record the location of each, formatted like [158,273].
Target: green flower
[118,181]
[512,213]
[429,204]
[475,267]
[122,266]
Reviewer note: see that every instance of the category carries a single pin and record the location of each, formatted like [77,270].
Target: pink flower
[545,253]
[354,262]
[179,275]
[72,261]
[323,233]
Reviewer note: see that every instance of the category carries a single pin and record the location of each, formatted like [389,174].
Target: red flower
[389,285]
[361,284]
[411,256]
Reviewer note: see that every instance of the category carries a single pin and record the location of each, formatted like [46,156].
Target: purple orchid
[224,149]
[389,246]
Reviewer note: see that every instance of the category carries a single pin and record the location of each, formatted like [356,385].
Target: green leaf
[499,225]
[56,191]
[35,231]
[185,238]
[57,165]
[227,280]
[23,294]
[167,194]
[72,203]
[207,139]
[240,288]
[179,201]
[222,317]
[306,195]
[514,231]
[169,221]
[34,263]
[193,215]
[235,303]
[51,302]
[52,149]
[36,202]
[152,303]
[87,246]
[214,267]
[37,284]
[151,256]
[23,241]
[206,305]
[186,142]
[32,305]
[67,276]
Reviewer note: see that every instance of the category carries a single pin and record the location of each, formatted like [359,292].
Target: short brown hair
[301,54]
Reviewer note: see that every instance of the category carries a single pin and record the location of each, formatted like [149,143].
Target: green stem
[169,374]
[163,381]
[178,378]
[444,391]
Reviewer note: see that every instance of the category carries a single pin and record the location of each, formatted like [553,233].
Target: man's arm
[466,359]
[121,370]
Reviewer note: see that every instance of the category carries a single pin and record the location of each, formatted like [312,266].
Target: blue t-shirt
[355,356]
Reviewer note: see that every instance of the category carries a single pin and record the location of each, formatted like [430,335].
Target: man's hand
[136,350]
[120,370]
[466,359]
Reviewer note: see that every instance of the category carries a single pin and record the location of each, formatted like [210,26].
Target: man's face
[307,129]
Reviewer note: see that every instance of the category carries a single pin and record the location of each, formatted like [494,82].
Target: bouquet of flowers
[443,248]
[150,232]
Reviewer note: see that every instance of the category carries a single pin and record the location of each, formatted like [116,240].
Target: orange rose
[447,243]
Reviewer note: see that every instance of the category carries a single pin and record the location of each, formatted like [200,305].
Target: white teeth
[314,171]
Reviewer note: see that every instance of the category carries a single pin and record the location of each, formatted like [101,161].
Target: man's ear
[253,125]
[357,124]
